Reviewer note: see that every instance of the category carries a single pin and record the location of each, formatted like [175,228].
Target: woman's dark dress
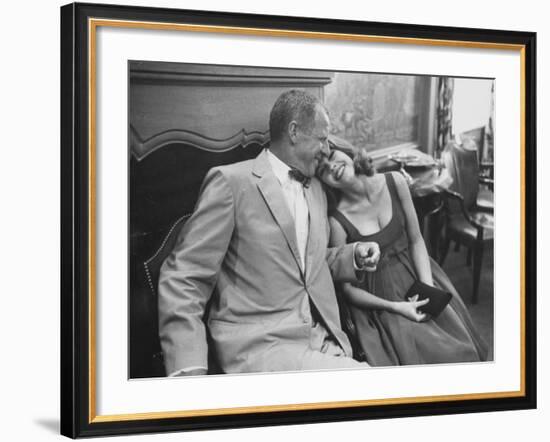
[391,339]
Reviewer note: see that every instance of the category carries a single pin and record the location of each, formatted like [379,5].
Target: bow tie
[296,175]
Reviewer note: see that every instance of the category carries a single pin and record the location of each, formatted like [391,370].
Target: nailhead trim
[146,263]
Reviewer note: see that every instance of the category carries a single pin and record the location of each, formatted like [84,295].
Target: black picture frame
[77,404]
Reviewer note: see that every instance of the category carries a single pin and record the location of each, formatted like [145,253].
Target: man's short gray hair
[296,105]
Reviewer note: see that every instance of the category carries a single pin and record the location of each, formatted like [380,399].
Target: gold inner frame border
[93,24]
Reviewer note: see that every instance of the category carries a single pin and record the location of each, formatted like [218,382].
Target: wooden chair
[163,192]
[152,272]
[469,218]
[151,269]
[477,138]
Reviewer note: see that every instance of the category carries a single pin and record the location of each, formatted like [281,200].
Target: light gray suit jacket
[240,244]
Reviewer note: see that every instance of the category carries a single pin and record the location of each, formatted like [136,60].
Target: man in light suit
[258,240]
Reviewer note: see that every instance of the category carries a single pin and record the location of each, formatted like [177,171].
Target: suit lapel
[271,191]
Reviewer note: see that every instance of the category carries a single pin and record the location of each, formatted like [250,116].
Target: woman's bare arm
[419,254]
[364,299]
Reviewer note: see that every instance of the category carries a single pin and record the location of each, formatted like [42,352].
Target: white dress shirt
[296,202]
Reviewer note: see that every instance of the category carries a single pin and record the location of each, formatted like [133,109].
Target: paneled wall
[216,107]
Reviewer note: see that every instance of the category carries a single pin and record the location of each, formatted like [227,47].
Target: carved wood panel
[211,107]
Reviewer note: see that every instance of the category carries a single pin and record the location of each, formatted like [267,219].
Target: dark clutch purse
[438,298]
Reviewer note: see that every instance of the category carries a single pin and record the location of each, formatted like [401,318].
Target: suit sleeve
[189,274]
[341,262]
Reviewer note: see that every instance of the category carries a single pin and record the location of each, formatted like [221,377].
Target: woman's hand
[409,309]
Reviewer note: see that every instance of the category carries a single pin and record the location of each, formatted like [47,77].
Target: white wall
[471,104]
[29,170]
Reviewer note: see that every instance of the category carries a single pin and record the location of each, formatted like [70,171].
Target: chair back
[164,187]
[153,264]
[461,160]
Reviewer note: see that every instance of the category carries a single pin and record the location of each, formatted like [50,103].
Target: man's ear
[293,131]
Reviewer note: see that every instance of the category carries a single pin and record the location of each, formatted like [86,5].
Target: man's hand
[367,255]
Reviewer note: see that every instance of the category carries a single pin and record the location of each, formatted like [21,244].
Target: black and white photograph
[287,220]
[274,220]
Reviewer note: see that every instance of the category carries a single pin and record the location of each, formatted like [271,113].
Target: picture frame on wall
[175,310]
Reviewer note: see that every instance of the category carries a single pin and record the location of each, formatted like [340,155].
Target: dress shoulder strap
[392,187]
[397,207]
[390,181]
[349,228]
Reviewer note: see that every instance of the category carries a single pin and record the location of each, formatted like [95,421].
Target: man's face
[312,145]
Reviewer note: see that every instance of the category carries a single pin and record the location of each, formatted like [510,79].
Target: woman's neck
[362,187]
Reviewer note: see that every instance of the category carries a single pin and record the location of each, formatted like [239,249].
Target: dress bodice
[392,238]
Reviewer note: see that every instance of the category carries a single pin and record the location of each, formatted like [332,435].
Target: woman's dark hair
[362,162]
[333,198]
